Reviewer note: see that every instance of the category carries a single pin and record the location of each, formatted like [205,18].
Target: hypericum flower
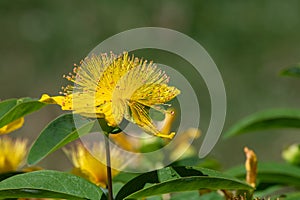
[12,126]
[91,165]
[115,88]
[12,154]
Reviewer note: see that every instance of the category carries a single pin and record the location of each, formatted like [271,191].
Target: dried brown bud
[251,166]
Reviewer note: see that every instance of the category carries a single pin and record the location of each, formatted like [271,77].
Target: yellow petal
[12,126]
[168,122]
[126,142]
[59,100]
[66,103]
[141,117]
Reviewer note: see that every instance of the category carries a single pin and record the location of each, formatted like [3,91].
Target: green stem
[108,168]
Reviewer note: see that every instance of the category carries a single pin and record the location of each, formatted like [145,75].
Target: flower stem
[108,168]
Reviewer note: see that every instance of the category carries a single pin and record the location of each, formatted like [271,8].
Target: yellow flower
[92,165]
[12,154]
[12,126]
[115,88]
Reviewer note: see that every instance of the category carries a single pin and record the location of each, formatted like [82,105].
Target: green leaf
[194,160]
[293,196]
[166,174]
[178,179]
[49,184]
[211,196]
[58,133]
[194,195]
[292,71]
[9,174]
[269,119]
[187,184]
[136,184]
[13,109]
[272,191]
[124,177]
[271,173]
[191,195]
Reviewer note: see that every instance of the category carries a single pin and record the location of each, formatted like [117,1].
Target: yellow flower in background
[115,88]
[12,154]
[12,126]
[92,165]
[125,141]
[183,144]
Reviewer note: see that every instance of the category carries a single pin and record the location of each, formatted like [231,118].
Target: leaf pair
[53,184]
[178,179]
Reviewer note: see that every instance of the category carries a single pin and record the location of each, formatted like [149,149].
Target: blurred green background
[250,41]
